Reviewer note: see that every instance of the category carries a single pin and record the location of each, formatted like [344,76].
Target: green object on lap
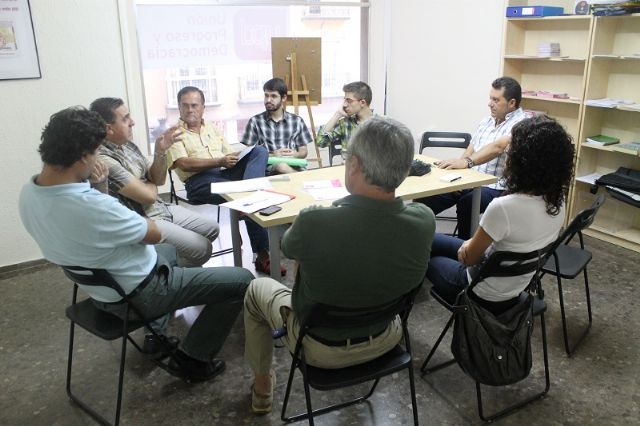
[298,162]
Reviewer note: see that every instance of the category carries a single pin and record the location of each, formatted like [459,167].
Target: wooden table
[413,187]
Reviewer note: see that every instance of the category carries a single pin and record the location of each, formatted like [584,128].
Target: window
[202,77]
[225,50]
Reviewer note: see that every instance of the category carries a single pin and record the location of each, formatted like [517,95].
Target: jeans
[253,165]
[220,289]
[448,276]
[462,201]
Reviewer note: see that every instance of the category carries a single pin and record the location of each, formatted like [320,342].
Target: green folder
[603,140]
[297,162]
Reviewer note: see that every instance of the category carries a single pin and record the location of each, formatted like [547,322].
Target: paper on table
[319,184]
[331,193]
[240,186]
[257,201]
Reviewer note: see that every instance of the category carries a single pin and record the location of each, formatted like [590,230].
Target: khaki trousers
[267,306]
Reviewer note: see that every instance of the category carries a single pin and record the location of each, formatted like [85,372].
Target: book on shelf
[628,148]
[602,140]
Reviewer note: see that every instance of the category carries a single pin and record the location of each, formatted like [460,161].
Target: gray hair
[384,148]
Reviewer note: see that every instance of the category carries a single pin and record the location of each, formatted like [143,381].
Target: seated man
[495,130]
[355,110]
[202,156]
[384,248]
[284,134]
[75,225]
[135,182]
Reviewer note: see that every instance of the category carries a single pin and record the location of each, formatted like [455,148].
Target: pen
[254,202]
[455,178]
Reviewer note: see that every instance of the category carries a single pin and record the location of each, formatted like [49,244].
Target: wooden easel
[294,94]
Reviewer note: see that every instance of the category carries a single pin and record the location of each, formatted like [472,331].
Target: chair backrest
[510,264]
[337,317]
[334,149]
[583,220]
[444,140]
[92,277]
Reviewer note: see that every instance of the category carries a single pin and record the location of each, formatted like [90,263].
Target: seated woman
[527,217]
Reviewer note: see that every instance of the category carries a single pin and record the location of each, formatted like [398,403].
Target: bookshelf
[564,74]
[600,58]
[613,72]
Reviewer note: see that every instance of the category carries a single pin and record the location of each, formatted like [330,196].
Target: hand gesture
[168,138]
[99,173]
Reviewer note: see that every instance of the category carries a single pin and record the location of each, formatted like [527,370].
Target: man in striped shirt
[284,134]
[134,181]
[485,153]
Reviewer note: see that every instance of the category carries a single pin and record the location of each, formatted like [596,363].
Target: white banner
[181,36]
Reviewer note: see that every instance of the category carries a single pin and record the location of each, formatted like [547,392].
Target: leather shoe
[193,370]
[159,347]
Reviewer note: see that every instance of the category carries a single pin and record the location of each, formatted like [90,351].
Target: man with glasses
[284,134]
[355,110]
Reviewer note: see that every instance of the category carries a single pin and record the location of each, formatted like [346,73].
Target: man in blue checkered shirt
[284,134]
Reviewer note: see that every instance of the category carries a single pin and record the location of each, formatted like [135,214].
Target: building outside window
[225,50]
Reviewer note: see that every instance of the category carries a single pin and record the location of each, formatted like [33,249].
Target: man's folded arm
[197,164]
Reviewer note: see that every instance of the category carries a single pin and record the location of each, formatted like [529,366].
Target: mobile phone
[268,211]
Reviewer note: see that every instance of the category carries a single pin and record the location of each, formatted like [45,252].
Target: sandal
[261,404]
[265,267]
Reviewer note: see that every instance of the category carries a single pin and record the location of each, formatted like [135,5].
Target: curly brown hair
[540,161]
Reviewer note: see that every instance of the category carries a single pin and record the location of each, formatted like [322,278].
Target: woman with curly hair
[528,216]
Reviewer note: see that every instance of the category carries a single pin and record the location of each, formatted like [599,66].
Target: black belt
[136,291]
[353,340]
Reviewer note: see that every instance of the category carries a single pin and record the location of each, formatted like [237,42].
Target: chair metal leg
[424,370]
[568,348]
[532,398]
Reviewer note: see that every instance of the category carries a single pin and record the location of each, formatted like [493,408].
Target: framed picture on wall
[18,50]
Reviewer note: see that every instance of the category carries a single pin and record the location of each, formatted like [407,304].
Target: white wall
[442,58]
[81,59]
[438,58]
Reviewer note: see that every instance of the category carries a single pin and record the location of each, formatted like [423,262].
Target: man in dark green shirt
[367,249]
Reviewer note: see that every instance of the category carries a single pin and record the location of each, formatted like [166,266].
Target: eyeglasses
[349,101]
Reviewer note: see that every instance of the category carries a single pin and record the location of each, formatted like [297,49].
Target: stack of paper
[257,201]
[325,189]
[607,102]
[602,140]
[628,148]
[548,49]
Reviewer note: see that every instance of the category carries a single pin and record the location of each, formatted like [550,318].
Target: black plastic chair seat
[327,379]
[572,261]
[100,323]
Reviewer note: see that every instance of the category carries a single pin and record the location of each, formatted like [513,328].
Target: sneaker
[261,404]
[193,370]
[159,347]
[265,267]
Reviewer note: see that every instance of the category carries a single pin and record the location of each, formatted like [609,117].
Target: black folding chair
[104,325]
[325,316]
[177,196]
[567,261]
[502,264]
[335,149]
[449,140]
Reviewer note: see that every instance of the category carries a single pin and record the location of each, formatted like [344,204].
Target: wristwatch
[470,162]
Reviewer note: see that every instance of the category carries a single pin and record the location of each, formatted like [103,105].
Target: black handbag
[493,350]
